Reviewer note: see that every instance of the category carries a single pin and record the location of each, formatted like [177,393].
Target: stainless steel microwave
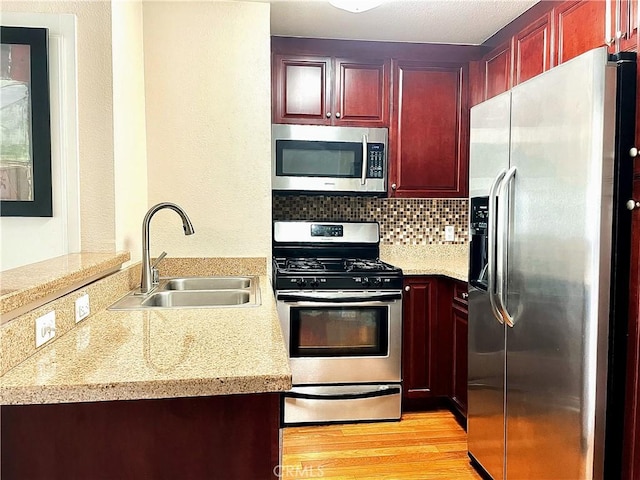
[330,160]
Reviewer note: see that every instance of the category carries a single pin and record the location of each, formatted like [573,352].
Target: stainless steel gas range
[340,308]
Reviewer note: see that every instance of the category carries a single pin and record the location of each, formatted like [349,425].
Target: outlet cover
[82,307]
[45,328]
[449,233]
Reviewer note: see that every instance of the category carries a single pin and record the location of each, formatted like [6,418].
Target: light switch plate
[449,233]
[82,307]
[45,328]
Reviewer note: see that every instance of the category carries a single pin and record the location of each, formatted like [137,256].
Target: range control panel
[318,230]
[375,160]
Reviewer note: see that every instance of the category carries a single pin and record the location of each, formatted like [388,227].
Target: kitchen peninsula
[141,394]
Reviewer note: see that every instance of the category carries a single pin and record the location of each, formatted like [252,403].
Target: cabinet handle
[632,205]
[338,115]
[393,186]
[465,295]
[633,152]
[407,288]
[328,114]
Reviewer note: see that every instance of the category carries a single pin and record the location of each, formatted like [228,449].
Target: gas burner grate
[304,264]
[361,265]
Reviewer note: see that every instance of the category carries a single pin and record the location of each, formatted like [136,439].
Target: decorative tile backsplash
[403,221]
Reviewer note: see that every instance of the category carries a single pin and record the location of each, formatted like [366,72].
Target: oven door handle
[384,392]
[293,298]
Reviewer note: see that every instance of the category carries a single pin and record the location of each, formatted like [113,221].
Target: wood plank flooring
[422,446]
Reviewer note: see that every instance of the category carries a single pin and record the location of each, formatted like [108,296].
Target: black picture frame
[41,205]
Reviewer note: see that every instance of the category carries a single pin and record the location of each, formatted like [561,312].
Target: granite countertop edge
[67,372]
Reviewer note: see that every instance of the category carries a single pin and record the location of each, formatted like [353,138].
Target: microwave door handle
[365,141]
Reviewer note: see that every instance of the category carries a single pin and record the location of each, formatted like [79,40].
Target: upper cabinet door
[301,90]
[361,92]
[429,131]
[581,26]
[532,50]
[629,25]
[327,91]
[498,71]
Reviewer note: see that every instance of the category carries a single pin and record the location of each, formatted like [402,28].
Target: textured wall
[207,78]
[403,221]
[95,111]
[129,136]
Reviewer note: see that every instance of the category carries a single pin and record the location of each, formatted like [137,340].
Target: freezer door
[559,251]
[489,155]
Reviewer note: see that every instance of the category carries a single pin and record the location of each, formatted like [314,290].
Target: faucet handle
[155,275]
[159,259]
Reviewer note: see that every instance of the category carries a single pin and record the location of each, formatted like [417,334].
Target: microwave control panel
[375,160]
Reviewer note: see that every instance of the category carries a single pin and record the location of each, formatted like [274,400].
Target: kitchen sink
[207,283]
[197,298]
[195,292]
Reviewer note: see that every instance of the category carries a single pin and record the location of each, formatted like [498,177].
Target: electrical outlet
[82,307]
[45,328]
[449,233]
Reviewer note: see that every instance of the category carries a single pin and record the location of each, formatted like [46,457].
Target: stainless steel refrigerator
[549,176]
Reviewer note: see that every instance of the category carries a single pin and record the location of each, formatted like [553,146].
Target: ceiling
[468,22]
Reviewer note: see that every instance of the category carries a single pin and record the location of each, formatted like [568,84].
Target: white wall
[27,240]
[95,117]
[205,68]
[207,78]
[129,136]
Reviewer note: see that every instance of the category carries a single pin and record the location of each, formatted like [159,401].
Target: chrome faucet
[149,272]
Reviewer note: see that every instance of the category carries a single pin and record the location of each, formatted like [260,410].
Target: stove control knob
[301,282]
[375,281]
[314,283]
[365,282]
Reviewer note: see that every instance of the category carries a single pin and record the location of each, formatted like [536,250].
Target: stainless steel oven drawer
[342,403]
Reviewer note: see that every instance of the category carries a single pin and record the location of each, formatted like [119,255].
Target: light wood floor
[422,446]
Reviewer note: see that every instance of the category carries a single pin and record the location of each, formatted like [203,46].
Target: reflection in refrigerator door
[546,252]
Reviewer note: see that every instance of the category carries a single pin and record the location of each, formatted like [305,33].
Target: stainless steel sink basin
[207,283]
[197,298]
[195,292]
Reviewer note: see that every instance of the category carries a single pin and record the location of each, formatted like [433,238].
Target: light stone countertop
[25,288]
[160,353]
[164,353]
[451,260]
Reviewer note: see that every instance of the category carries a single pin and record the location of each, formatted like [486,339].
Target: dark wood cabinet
[497,71]
[631,439]
[629,25]
[419,340]
[429,131]
[532,50]
[323,90]
[580,26]
[231,437]
[434,355]
[301,90]
[459,321]
[361,92]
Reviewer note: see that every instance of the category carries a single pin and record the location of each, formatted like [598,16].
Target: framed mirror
[25,128]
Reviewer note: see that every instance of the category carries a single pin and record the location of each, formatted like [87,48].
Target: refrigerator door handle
[503,238]
[491,247]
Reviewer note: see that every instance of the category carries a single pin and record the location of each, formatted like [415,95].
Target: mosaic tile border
[403,221]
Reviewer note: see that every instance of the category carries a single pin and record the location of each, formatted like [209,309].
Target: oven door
[342,337]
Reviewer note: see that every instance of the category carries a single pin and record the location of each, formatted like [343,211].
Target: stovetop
[331,256]
[335,273]
[287,266]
